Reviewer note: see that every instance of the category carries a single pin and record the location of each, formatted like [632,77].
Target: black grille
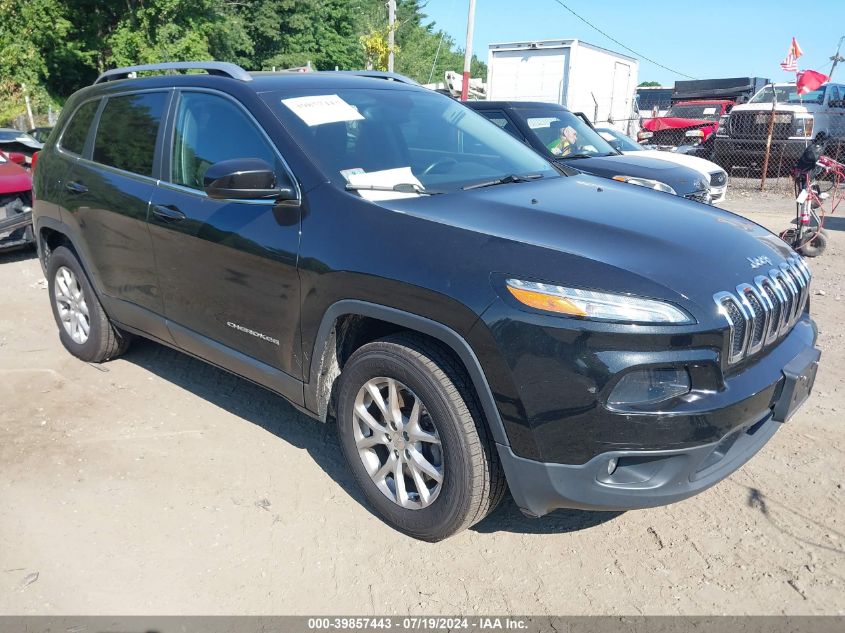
[738,330]
[669,137]
[776,305]
[755,125]
[759,320]
[699,196]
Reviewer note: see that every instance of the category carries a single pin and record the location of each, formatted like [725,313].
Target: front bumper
[640,478]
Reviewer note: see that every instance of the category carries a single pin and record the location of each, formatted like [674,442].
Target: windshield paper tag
[322,109]
[346,173]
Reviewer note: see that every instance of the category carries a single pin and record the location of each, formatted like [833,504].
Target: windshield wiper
[400,187]
[580,155]
[504,180]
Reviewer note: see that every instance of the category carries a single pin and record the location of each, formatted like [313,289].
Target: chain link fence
[759,150]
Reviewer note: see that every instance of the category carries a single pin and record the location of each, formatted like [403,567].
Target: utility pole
[468,51]
[391,23]
[836,58]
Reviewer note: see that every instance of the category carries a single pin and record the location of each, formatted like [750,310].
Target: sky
[704,39]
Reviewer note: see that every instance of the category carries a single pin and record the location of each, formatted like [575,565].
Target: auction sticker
[321,109]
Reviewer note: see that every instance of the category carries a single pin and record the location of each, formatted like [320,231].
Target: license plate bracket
[799,376]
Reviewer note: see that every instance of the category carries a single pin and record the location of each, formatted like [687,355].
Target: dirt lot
[155,484]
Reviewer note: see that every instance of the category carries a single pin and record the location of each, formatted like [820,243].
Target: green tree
[649,84]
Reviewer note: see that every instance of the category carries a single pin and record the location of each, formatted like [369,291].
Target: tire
[814,244]
[66,279]
[472,482]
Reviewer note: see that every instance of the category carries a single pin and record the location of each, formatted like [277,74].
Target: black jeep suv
[473,317]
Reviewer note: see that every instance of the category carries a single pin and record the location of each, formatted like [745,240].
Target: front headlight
[589,304]
[644,134]
[804,126]
[723,125]
[646,182]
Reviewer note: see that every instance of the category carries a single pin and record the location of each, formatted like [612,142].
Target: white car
[716,176]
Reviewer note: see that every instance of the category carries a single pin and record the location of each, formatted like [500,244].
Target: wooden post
[28,107]
[769,138]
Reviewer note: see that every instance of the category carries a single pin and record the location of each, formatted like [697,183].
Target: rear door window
[76,132]
[126,134]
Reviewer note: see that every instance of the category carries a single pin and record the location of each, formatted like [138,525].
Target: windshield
[704,111]
[626,143]
[564,134]
[392,137]
[787,94]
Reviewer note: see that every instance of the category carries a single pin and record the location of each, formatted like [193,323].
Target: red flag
[809,80]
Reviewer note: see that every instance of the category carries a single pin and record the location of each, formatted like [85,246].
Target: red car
[689,126]
[15,201]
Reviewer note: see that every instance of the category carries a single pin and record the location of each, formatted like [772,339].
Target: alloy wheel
[71,305]
[398,443]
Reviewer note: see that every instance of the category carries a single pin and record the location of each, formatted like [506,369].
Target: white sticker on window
[354,171]
[321,109]
[709,110]
[537,123]
[384,179]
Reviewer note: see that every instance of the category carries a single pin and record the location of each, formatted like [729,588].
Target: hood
[701,165]
[672,123]
[14,178]
[682,179]
[609,236]
[781,107]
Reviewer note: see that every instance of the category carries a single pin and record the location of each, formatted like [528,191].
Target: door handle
[168,213]
[76,187]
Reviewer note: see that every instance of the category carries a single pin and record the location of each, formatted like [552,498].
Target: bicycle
[817,178]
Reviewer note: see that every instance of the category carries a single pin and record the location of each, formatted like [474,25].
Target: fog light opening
[611,465]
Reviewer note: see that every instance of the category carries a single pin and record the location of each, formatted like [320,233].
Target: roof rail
[378,74]
[224,69]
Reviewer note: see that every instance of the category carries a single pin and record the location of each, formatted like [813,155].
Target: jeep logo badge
[756,262]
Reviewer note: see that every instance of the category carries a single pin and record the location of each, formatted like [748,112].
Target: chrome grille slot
[759,318]
[775,299]
[760,313]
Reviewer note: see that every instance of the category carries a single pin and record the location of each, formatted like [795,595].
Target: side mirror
[244,179]
[17,157]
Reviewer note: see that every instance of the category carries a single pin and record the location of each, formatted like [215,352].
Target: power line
[627,48]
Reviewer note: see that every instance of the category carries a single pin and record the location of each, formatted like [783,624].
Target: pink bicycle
[818,180]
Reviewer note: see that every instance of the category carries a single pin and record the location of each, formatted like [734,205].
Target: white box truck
[583,77]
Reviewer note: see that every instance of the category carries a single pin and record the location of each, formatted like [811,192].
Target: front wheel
[415,439]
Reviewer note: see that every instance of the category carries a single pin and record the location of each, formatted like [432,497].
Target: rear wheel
[84,327]
[415,439]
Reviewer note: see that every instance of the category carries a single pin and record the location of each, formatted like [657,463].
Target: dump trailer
[736,89]
[580,76]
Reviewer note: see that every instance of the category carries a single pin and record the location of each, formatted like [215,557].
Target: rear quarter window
[127,131]
[76,132]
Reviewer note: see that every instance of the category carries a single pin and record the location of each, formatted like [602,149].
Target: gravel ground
[155,484]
